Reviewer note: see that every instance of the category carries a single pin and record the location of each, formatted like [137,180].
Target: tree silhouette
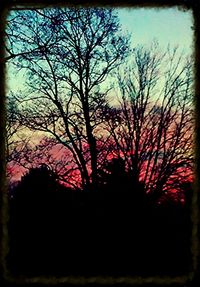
[37,182]
[73,52]
[153,126]
[15,143]
[71,56]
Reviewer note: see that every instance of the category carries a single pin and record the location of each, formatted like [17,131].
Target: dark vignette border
[191,279]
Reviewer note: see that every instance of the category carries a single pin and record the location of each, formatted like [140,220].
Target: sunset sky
[167,26]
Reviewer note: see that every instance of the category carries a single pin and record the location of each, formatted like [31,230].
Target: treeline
[117,230]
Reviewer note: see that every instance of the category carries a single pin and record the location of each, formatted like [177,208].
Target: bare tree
[72,52]
[152,128]
[54,155]
[16,144]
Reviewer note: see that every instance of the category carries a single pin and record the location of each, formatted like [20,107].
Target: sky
[166,25]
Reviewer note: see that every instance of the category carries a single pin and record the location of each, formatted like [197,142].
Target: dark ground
[96,233]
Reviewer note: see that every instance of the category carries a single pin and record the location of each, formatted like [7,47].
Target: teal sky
[168,25]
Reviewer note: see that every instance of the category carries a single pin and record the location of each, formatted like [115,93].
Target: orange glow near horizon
[59,155]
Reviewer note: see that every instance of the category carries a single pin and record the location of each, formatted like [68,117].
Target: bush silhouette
[38,180]
[56,230]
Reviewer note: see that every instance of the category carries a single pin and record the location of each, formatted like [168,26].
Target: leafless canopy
[72,58]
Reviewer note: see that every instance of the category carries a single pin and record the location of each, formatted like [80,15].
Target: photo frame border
[190,278]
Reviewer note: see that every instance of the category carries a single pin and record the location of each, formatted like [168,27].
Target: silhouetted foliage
[89,233]
[38,181]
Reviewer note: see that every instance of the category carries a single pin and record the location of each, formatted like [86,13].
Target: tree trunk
[92,145]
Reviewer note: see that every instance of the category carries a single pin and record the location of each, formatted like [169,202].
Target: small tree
[37,182]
